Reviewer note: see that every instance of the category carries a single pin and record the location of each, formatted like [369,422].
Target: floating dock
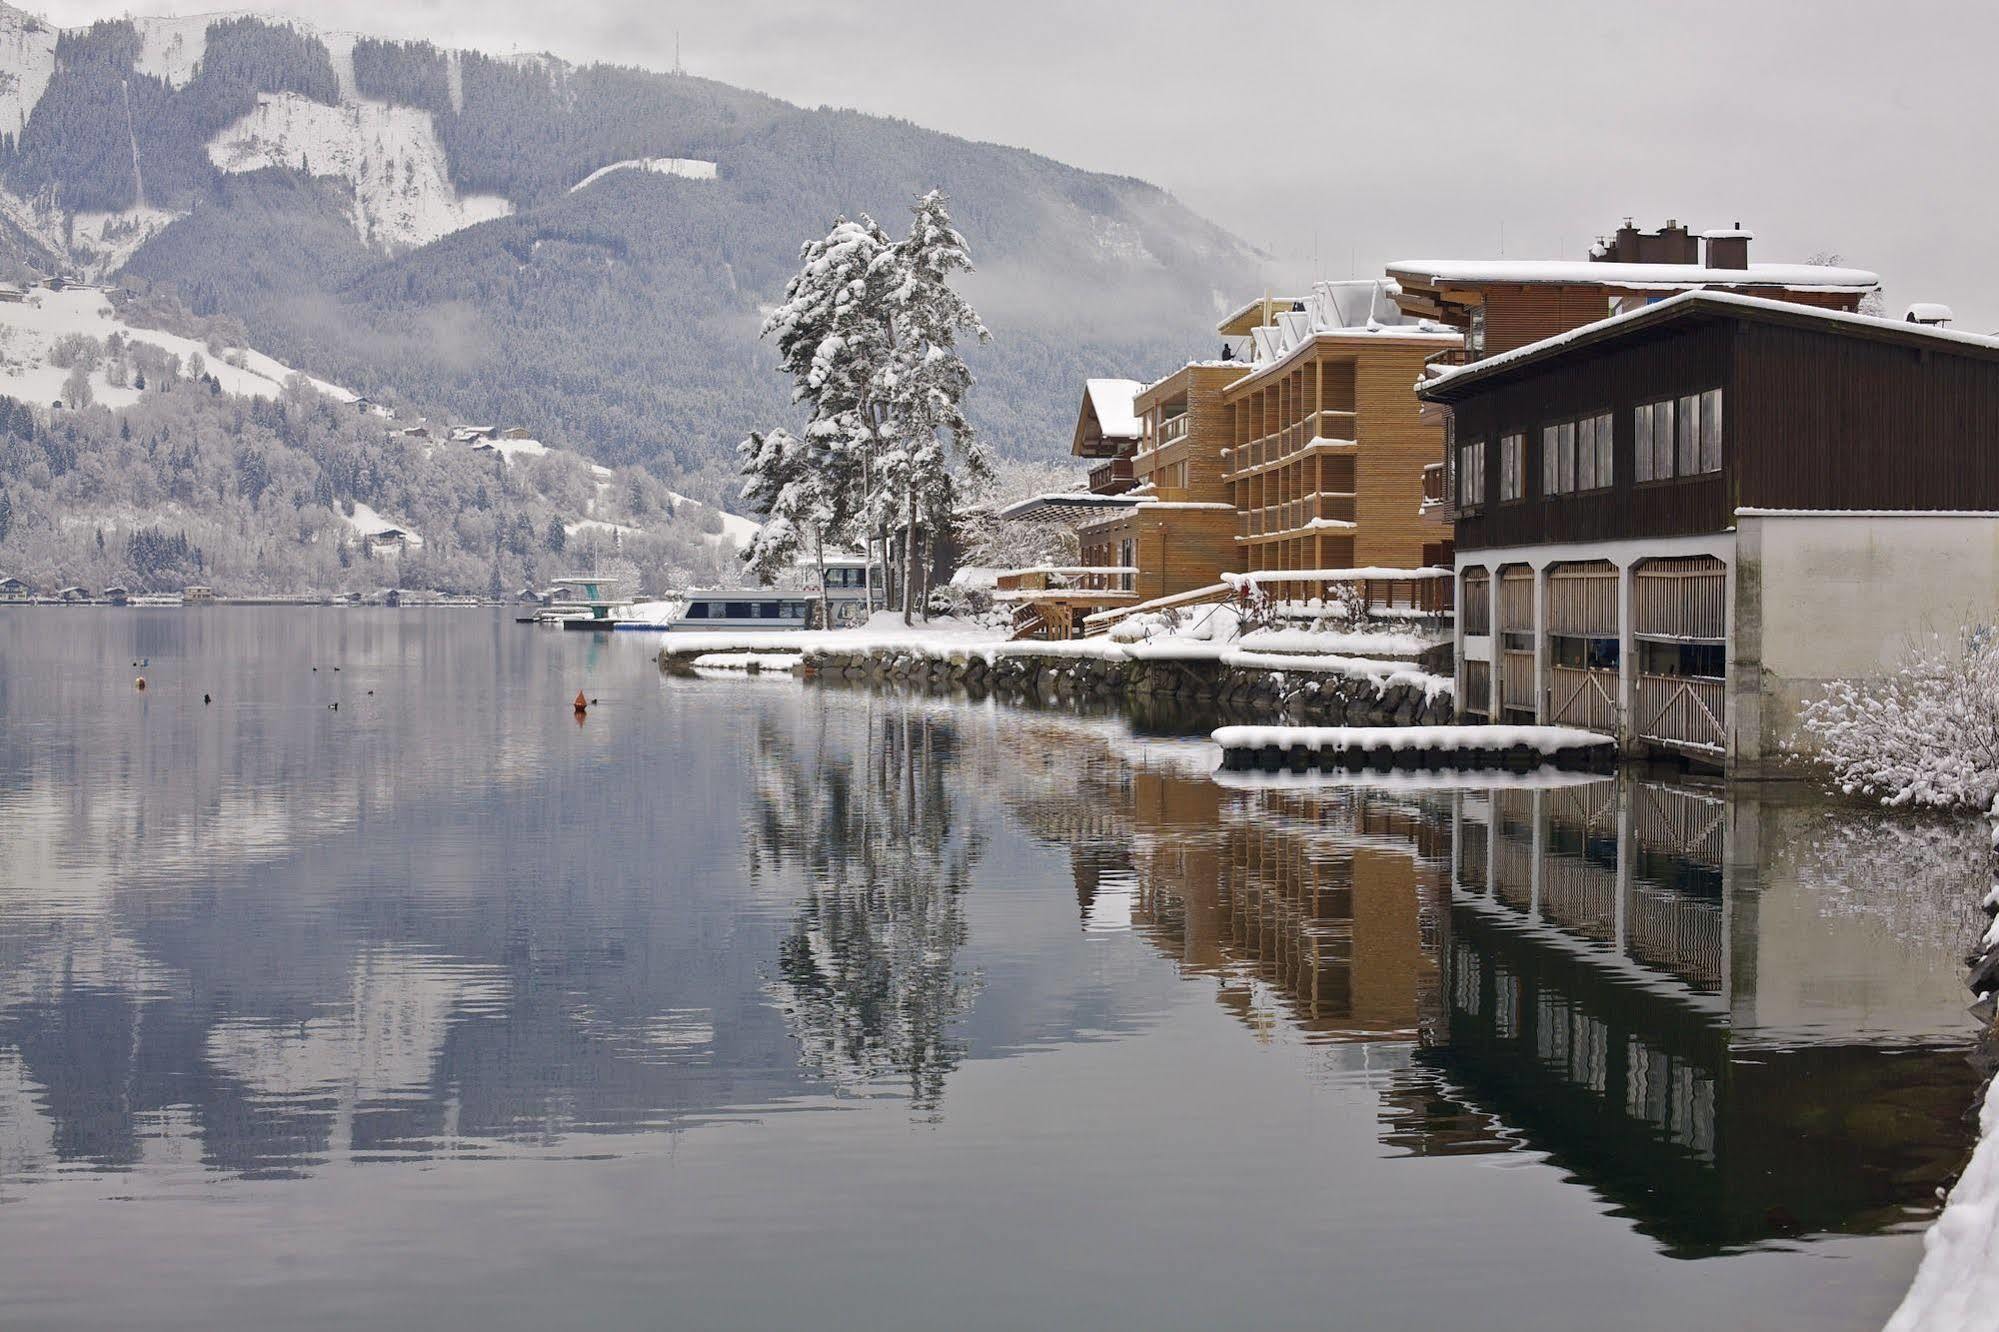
[1388,748]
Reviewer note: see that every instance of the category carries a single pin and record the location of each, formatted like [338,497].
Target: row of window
[1673,437]
[1575,455]
[1692,422]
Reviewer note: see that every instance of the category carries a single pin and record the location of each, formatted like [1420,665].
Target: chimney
[1727,247]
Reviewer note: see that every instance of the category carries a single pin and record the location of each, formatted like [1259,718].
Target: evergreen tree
[923,383]
[788,482]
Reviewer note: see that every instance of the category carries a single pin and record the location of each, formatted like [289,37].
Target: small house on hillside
[117,595]
[13,589]
[388,538]
[70,596]
[12,293]
[197,595]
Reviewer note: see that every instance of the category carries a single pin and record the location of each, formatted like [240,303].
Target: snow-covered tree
[868,332]
[832,336]
[787,483]
[924,381]
[1927,735]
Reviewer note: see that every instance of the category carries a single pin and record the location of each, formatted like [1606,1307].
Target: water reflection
[255,940]
[867,976]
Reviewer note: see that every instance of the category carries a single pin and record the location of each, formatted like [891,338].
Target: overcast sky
[1338,136]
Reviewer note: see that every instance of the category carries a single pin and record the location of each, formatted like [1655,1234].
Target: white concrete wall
[1826,596]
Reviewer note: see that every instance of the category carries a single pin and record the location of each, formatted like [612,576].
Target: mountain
[581,251]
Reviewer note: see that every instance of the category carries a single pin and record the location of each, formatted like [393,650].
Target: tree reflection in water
[867,976]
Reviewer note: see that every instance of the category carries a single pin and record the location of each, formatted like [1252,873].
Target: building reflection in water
[1663,987]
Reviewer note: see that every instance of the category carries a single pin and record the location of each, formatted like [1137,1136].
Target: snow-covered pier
[1516,748]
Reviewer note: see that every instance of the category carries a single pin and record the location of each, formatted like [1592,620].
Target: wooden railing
[1516,679]
[1112,477]
[1019,584]
[1173,429]
[1584,698]
[1686,710]
[1426,594]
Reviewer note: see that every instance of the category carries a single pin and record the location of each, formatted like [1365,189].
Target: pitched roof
[1452,384]
[1111,400]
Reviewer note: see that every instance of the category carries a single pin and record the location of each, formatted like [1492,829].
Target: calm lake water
[748,1004]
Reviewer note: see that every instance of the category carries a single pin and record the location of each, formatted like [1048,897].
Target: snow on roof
[1255,307]
[1111,402]
[1066,499]
[1929,312]
[1728,233]
[1802,277]
[1672,305]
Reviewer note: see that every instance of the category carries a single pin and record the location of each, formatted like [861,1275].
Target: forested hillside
[618,318]
[279,496]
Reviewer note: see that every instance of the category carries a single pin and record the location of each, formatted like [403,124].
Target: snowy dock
[1514,748]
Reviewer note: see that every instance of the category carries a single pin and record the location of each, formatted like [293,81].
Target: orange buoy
[582,703]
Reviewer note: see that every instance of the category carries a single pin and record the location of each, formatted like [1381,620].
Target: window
[737,610]
[697,610]
[1510,449]
[1558,458]
[1475,333]
[1662,440]
[1604,472]
[1677,437]
[1711,430]
[769,610]
[1471,475]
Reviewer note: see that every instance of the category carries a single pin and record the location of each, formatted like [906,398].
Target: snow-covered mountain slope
[31,329]
[403,195]
[687,168]
[27,63]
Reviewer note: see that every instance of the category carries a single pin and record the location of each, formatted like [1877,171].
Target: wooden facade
[1326,456]
[1183,536]
[1815,414]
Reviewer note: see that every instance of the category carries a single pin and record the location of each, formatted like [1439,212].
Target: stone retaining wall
[1308,697]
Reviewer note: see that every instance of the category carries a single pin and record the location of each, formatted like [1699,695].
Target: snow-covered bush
[1927,735]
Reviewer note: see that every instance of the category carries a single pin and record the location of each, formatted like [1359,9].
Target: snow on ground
[28,54]
[171,48]
[28,329]
[1547,740]
[511,449]
[600,526]
[736,530]
[687,168]
[1957,1287]
[100,243]
[391,155]
[884,629]
[367,522]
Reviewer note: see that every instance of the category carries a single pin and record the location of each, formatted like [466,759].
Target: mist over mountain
[584,252]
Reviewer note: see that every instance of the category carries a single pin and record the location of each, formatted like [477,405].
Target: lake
[747,1003]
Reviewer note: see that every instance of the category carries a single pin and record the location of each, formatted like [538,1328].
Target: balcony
[1296,515]
[1112,477]
[1078,583]
[1449,359]
[1173,429]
